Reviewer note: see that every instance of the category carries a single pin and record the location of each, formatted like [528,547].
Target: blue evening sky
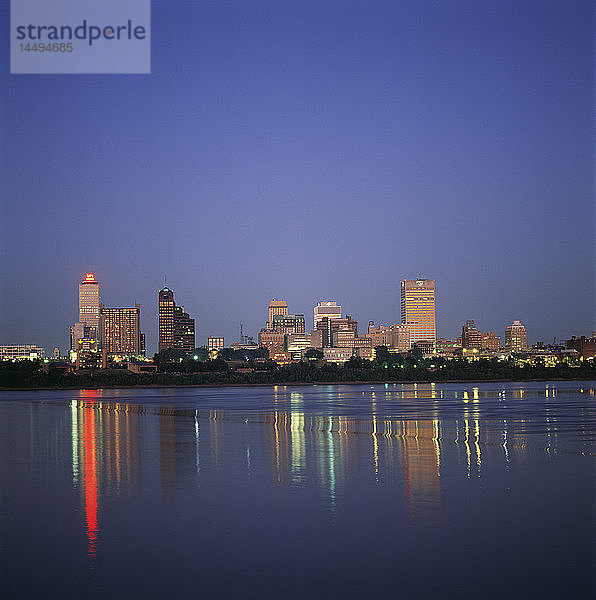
[310,151]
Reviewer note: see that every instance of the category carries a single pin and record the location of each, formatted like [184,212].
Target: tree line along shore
[385,368]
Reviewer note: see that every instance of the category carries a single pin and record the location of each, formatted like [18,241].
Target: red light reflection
[90,479]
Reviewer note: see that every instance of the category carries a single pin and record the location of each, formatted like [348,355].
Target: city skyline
[277,309]
[306,152]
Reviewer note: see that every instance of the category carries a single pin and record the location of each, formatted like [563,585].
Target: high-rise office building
[516,337]
[418,309]
[84,334]
[120,330]
[89,301]
[176,327]
[184,330]
[276,307]
[329,309]
[166,318]
[471,338]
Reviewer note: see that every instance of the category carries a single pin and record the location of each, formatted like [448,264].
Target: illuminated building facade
[166,318]
[418,308]
[176,327]
[491,341]
[288,324]
[395,336]
[470,336]
[344,338]
[338,355]
[89,302]
[184,330]
[298,343]
[276,307]
[516,337]
[21,352]
[82,335]
[274,341]
[120,330]
[329,309]
[215,343]
[425,346]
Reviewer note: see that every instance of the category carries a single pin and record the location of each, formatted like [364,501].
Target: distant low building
[274,341]
[585,346]
[338,355]
[425,346]
[366,353]
[281,358]
[396,336]
[22,352]
[244,346]
[490,341]
[215,342]
[344,338]
[445,346]
[141,367]
[297,344]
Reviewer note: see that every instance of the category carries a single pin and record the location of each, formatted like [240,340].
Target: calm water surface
[451,490]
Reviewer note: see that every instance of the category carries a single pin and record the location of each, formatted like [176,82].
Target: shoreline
[289,383]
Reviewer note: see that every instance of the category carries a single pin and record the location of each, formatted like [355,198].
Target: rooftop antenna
[165,279]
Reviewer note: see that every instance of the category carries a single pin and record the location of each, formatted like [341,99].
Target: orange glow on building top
[89,278]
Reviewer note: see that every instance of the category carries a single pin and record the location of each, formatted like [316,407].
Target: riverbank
[287,383]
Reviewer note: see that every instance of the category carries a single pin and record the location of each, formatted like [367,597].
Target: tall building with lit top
[176,327]
[418,309]
[89,301]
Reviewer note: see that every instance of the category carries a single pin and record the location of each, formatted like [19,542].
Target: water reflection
[404,437]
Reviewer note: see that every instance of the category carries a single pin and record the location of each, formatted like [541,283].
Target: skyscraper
[120,330]
[89,302]
[276,307]
[166,318]
[471,338]
[516,337]
[184,330]
[328,309]
[418,309]
[176,327]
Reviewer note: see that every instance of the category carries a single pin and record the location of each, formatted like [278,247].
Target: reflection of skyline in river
[297,445]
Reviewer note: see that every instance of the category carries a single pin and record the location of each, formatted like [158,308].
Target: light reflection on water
[106,444]
[420,440]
